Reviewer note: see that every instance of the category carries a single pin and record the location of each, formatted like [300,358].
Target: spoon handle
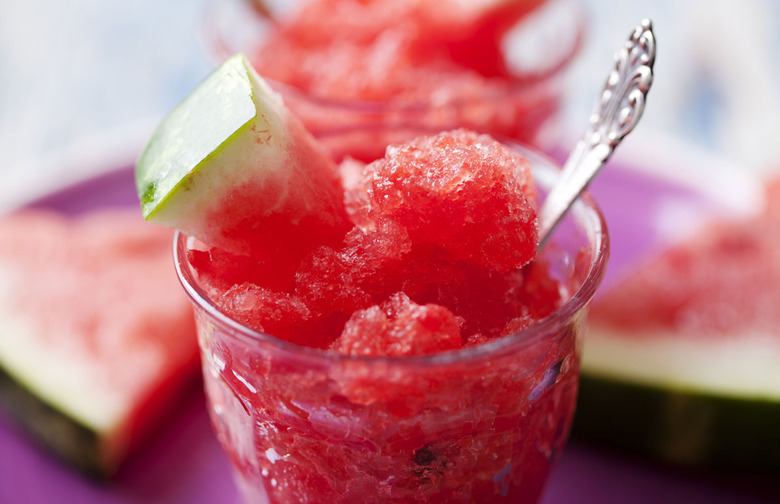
[617,112]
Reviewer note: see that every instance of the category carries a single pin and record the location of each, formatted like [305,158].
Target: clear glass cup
[481,424]
[525,107]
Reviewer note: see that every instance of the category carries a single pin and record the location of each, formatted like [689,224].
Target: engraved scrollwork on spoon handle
[623,98]
[617,111]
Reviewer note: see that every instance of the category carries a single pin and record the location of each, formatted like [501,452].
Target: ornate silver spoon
[617,112]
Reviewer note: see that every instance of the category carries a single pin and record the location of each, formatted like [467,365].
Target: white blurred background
[716,73]
[83,82]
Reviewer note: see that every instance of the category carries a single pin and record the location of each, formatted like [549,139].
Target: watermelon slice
[233,167]
[97,340]
[681,362]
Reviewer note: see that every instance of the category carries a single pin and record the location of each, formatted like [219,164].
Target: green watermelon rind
[231,138]
[682,399]
[66,409]
[201,127]
[680,426]
[232,129]
[68,437]
[95,449]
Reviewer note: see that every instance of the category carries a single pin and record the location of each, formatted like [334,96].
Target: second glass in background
[522,105]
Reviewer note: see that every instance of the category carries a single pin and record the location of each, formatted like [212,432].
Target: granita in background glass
[497,67]
[483,423]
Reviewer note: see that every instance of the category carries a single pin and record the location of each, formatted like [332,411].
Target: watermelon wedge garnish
[231,166]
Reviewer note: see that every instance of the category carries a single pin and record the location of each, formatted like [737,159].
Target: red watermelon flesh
[300,190]
[725,280]
[93,325]
[446,222]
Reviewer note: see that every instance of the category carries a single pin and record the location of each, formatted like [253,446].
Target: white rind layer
[742,366]
[254,147]
[74,390]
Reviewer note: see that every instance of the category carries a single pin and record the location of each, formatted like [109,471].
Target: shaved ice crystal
[399,327]
[462,191]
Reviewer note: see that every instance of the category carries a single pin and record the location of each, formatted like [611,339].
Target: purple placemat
[186,465]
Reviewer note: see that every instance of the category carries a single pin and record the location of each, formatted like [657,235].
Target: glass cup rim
[577,301]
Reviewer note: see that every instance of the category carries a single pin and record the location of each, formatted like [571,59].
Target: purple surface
[185,464]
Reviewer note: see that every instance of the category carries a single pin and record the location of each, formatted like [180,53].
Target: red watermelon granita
[424,352]
[495,66]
